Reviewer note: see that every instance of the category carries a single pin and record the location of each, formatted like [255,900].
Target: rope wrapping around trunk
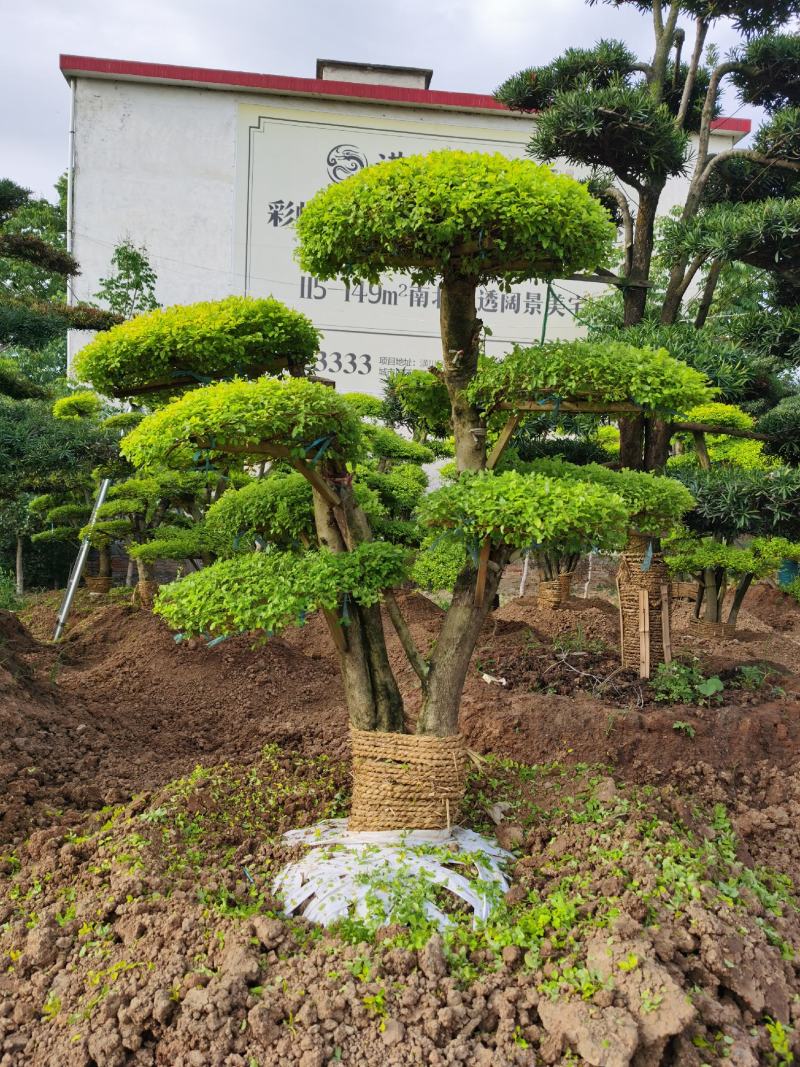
[406,781]
[96,584]
[548,594]
[145,593]
[713,629]
[565,585]
[631,582]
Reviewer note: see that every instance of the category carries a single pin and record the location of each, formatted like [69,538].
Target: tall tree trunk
[709,288]
[632,428]
[144,570]
[20,567]
[373,698]
[129,573]
[738,597]
[104,562]
[656,448]
[461,329]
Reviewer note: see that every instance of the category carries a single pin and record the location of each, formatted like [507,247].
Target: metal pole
[77,569]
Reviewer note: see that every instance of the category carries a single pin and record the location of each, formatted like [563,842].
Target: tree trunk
[20,567]
[129,573]
[461,330]
[373,699]
[656,447]
[709,288]
[632,428]
[738,597]
[144,570]
[104,562]
[453,651]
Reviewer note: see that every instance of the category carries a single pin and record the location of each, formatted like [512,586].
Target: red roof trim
[276,83]
[209,77]
[732,125]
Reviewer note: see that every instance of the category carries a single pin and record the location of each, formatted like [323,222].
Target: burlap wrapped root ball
[406,781]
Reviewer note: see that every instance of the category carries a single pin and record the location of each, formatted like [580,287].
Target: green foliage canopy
[238,335]
[268,591]
[299,414]
[469,214]
[527,510]
[601,371]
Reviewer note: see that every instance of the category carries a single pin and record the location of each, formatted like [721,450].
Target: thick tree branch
[745,153]
[627,222]
[421,668]
[709,288]
[691,75]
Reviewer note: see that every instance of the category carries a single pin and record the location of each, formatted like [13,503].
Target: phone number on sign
[344,363]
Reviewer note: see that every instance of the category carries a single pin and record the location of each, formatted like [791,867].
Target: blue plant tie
[249,876]
[177,638]
[648,556]
[217,641]
[323,443]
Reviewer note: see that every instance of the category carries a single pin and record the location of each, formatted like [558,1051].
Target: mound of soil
[119,707]
[638,929]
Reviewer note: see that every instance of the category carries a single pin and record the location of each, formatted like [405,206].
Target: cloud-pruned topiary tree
[462,218]
[166,350]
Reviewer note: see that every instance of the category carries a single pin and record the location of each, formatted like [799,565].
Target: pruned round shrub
[268,591]
[80,405]
[196,343]
[597,371]
[528,511]
[476,215]
[303,416]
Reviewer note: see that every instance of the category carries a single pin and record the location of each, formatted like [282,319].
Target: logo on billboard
[344,160]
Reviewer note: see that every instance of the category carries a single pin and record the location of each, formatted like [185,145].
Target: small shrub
[684,683]
[9,601]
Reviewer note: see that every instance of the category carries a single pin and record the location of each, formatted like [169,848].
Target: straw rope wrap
[96,585]
[642,619]
[565,585]
[714,629]
[406,781]
[549,594]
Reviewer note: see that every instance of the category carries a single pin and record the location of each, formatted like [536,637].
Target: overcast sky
[471,45]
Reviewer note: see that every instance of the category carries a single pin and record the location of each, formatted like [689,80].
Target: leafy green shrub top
[527,510]
[760,558]
[730,502]
[278,508]
[655,503]
[597,371]
[269,591]
[472,214]
[400,488]
[386,444]
[238,335]
[715,414]
[784,422]
[423,401]
[80,405]
[304,416]
[365,405]
[173,542]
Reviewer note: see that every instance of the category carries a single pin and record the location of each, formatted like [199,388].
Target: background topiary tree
[628,120]
[734,508]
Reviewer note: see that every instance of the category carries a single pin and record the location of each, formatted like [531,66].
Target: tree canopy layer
[601,371]
[197,343]
[467,213]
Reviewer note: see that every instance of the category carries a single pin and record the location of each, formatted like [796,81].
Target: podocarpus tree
[629,122]
[463,219]
[743,523]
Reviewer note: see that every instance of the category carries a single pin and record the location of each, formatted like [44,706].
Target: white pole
[77,570]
